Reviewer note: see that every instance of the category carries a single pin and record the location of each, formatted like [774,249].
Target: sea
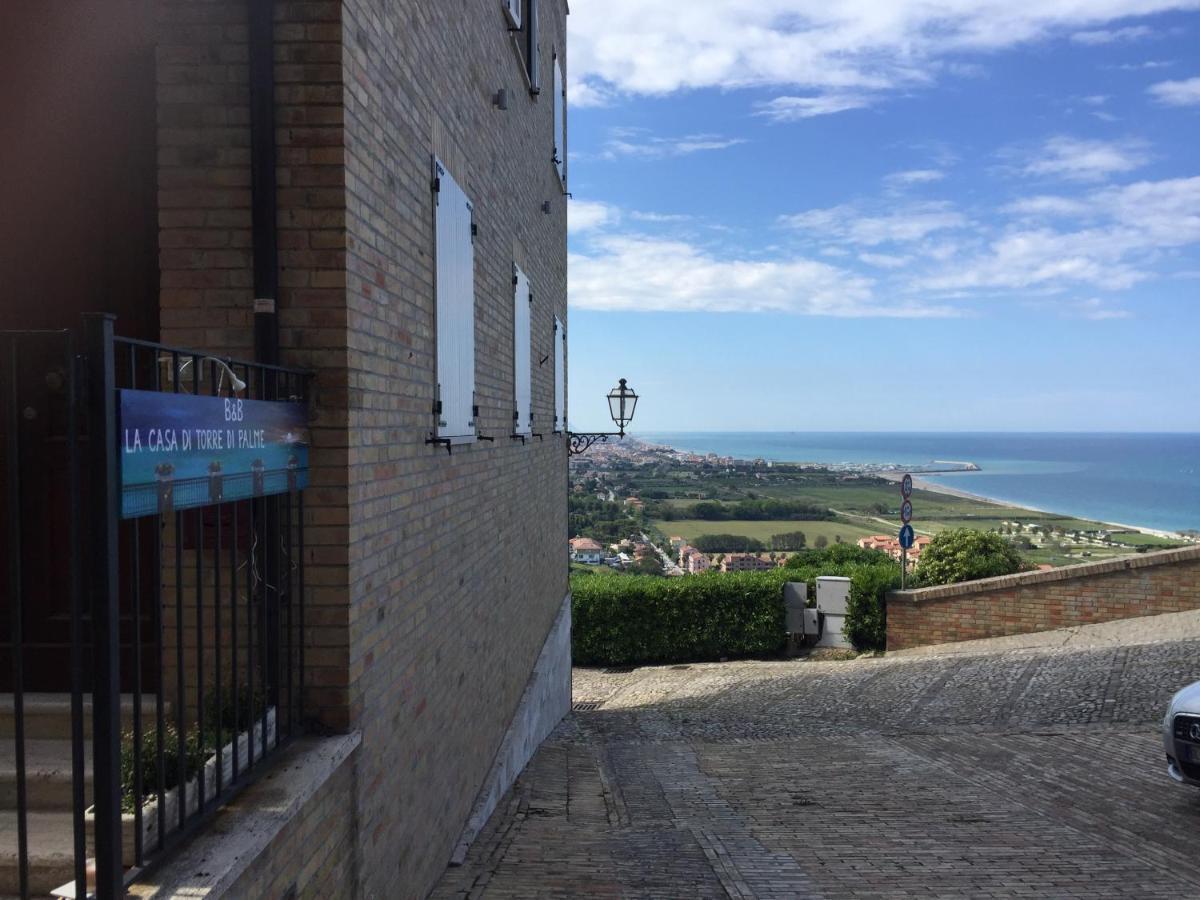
[1144,480]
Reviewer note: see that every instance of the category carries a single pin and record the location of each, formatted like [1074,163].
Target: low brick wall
[1141,585]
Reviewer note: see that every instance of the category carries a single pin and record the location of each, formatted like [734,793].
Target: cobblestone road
[1008,768]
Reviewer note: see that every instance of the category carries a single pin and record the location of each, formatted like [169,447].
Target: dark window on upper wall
[530,45]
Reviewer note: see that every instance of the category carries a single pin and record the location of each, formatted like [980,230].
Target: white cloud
[884,260]
[913,176]
[848,224]
[639,144]
[1097,310]
[1119,236]
[1112,35]
[1047,206]
[793,109]
[820,48]
[1177,93]
[659,217]
[589,215]
[1077,159]
[927,259]
[637,273]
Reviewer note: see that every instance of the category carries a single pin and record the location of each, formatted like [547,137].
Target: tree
[821,542]
[789,540]
[647,565]
[964,554]
[727,543]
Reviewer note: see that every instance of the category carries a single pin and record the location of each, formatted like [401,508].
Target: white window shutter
[522,372]
[560,120]
[455,307]
[560,376]
[513,8]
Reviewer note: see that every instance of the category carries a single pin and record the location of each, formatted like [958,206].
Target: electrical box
[833,595]
[812,622]
[795,599]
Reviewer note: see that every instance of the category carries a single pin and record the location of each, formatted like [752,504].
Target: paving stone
[1002,770]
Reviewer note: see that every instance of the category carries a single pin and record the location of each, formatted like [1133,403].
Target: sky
[886,215]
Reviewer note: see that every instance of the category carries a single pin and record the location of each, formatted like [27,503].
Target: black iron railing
[182,623]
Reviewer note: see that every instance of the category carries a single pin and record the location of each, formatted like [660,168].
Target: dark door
[79,230]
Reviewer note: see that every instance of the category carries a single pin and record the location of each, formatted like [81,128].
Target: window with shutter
[513,9]
[560,376]
[455,286]
[531,47]
[560,120]
[522,373]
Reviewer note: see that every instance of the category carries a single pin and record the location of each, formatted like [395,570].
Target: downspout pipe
[263,180]
[266,295]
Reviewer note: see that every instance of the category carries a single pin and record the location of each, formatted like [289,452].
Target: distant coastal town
[645,507]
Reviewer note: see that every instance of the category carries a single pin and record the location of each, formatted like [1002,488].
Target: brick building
[746,562]
[414,258]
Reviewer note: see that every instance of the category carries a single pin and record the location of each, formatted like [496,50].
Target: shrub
[197,748]
[963,554]
[636,619]
[194,756]
[837,555]
[642,619]
[727,543]
[866,611]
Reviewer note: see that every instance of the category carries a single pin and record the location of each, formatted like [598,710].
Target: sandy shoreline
[967,495]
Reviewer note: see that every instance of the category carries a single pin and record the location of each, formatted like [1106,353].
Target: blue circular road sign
[906,487]
[906,537]
[906,511]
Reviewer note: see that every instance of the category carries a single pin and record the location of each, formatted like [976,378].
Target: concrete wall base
[547,699]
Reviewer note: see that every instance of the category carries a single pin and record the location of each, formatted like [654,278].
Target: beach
[924,485]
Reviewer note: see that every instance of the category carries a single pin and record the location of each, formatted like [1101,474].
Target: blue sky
[902,215]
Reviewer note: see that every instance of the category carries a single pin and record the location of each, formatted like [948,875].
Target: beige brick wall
[458,563]
[432,579]
[206,268]
[1143,585]
[313,856]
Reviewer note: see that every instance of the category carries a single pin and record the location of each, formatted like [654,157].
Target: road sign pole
[903,568]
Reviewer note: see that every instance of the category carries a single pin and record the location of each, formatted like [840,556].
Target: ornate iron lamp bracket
[579,442]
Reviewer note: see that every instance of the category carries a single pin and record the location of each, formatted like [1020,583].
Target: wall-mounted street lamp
[622,401]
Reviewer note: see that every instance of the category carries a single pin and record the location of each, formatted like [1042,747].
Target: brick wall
[206,269]
[313,855]
[458,562]
[432,579]
[1142,585]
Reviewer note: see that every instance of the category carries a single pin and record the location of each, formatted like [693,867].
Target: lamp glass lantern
[622,400]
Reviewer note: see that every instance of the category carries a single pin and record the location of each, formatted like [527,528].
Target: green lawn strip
[690,528]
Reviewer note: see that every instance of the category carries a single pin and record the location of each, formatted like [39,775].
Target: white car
[1181,736]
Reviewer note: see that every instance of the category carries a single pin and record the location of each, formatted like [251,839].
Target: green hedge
[639,619]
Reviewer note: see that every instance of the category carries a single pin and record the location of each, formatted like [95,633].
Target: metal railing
[184,622]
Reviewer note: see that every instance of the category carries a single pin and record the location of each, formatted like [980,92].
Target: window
[522,372]
[513,8]
[455,286]
[531,47]
[560,376]
[560,120]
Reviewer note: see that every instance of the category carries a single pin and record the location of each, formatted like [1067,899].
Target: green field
[1137,539]
[862,505]
[691,528]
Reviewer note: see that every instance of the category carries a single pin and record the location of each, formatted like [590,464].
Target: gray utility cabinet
[833,593]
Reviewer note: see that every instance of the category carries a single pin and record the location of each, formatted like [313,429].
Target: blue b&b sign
[180,451]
